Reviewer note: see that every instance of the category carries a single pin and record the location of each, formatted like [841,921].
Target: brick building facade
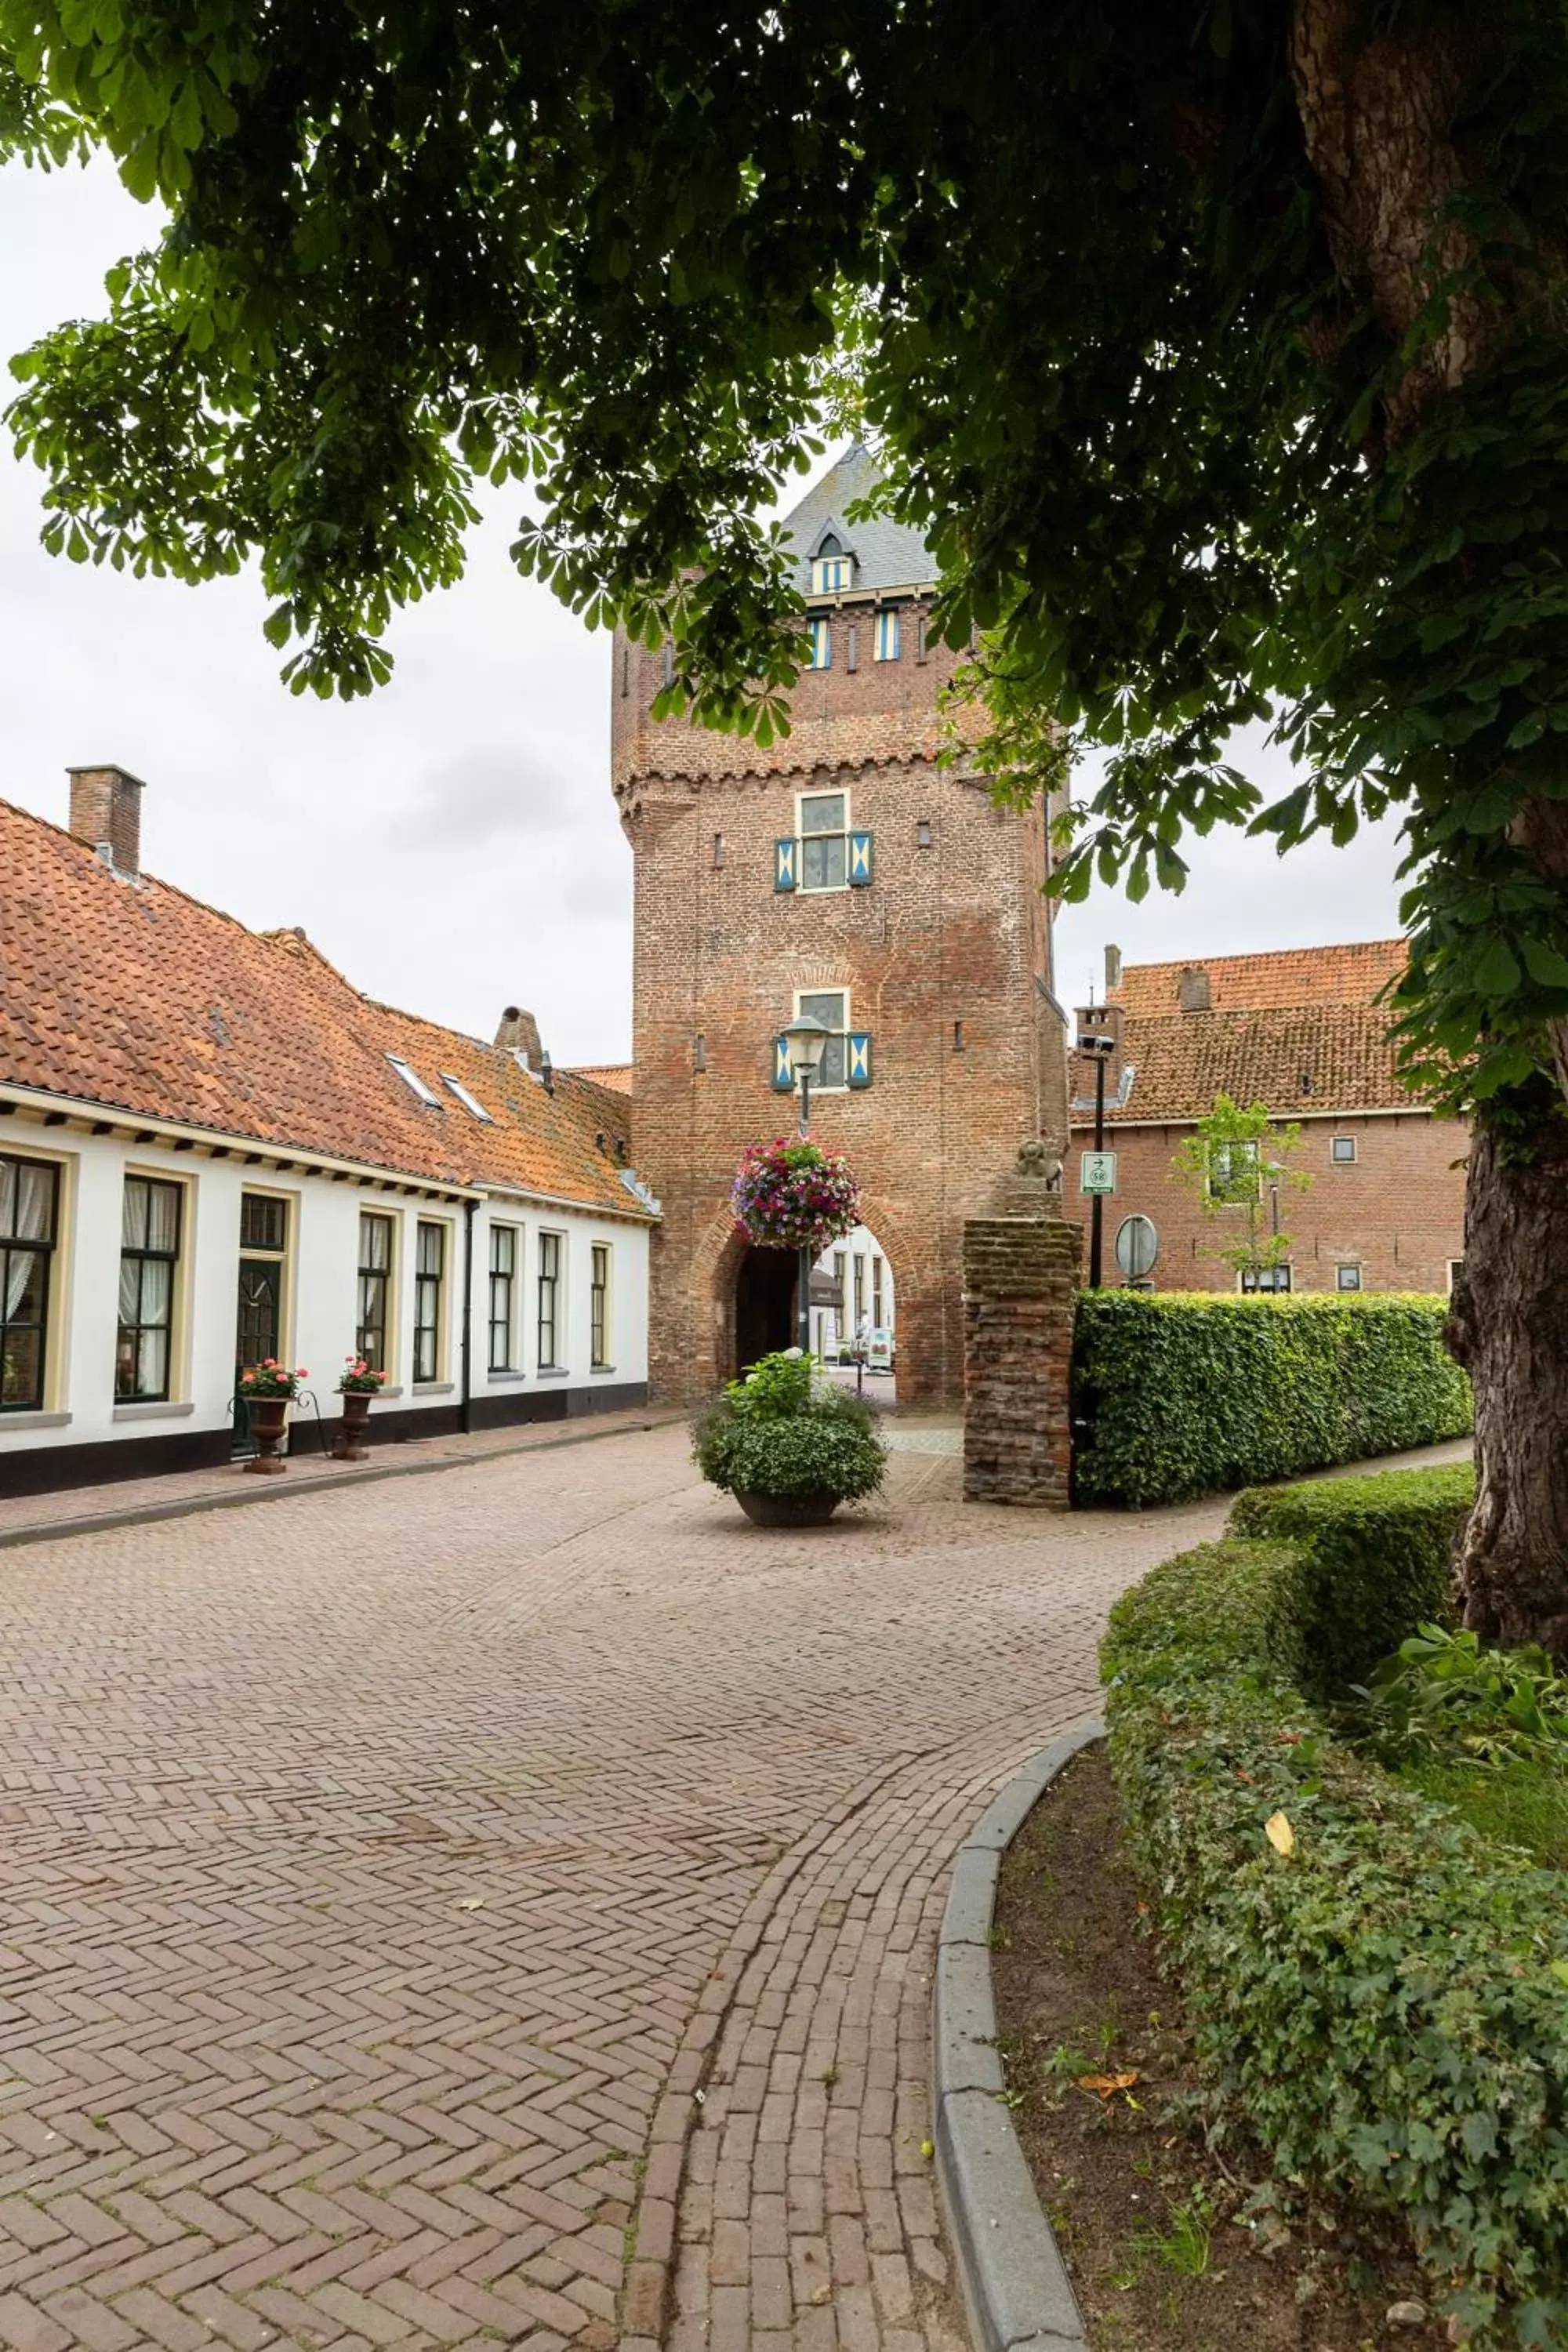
[841,866]
[1300,1031]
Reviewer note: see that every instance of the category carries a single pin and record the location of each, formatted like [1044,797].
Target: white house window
[599,1308]
[824,841]
[371,1324]
[821,645]
[429,1285]
[1342,1150]
[1456,1272]
[149,1256]
[887,635]
[549,1302]
[503,1284]
[1347,1277]
[470,1102]
[831,1007]
[413,1081]
[29,1198]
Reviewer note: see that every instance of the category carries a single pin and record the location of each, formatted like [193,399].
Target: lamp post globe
[807,1042]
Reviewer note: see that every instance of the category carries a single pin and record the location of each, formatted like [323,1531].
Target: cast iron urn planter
[268,1417]
[351,1446]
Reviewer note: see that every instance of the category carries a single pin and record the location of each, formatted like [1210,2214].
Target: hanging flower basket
[794,1195]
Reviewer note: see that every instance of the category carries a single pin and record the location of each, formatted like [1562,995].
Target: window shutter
[859,860]
[783,865]
[859,1057]
[783,1077]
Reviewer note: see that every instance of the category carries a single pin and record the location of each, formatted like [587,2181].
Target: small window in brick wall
[828,853]
[1342,1150]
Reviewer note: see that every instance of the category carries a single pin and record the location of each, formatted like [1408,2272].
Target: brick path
[416,1900]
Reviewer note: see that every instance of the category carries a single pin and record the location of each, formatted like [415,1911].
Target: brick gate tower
[843,873]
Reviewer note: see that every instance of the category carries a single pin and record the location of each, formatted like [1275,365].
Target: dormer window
[470,1102]
[831,568]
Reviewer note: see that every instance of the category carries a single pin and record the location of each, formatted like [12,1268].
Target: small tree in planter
[789,1445]
[357,1383]
[267,1390]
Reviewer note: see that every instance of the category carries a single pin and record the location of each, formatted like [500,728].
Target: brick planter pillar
[1020,1274]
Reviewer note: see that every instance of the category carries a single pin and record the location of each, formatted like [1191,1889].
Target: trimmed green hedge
[1378,1552]
[1385,2006]
[1180,1394]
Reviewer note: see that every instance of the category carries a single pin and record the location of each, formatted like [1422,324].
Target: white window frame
[817,1085]
[1232,1196]
[377,1207]
[413,1082]
[470,1102]
[1339,1158]
[603,1359]
[1454,1264]
[559,1338]
[444,1281]
[516,1280]
[176,1387]
[831,574]
[821,627]
[1261,1289]
[1349,1290]
[890,627]
[821,889]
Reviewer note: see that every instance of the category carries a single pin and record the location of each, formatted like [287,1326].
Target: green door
[256,1334]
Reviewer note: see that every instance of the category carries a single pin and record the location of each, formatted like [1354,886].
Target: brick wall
[953,934]
[1020,1282]
[1398,1212]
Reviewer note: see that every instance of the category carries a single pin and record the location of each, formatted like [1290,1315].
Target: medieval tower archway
[840,872]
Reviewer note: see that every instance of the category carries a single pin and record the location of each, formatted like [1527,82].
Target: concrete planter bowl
[812,1511]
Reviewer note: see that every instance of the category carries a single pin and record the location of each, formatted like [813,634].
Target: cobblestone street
[495,1906]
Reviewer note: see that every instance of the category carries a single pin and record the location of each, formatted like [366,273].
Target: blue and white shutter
[859,1058]
[783,865]
[859,860]
[784,1074]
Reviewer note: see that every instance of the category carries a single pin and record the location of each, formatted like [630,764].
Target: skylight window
[468,1100]
[413,1082]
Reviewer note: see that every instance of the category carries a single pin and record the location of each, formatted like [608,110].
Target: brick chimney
[519,1034]
[106,812]
[1192,994]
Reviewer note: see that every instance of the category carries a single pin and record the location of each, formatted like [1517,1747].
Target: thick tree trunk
[1510,1329]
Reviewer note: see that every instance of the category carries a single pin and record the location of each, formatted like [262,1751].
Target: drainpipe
[465,1405]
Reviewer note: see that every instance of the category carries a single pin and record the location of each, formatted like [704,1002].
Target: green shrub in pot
[786,1435]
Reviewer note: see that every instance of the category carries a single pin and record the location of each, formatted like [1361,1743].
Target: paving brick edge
[273,1490]
[1015,2286]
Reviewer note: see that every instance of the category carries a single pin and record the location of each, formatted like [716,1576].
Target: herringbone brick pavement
[496,1908]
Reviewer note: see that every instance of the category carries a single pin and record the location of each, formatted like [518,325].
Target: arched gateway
[840,872]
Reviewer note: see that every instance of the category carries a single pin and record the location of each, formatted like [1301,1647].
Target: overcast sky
[452,843]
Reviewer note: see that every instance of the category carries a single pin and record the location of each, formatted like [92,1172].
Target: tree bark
[1510,1329]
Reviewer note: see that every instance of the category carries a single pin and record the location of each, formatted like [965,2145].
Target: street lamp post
[1101,1048]
[808,1043]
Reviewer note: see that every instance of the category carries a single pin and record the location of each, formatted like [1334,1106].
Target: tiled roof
[888,554]
[1294,1058]
[617,1075]
[1341,975]
[145,1000]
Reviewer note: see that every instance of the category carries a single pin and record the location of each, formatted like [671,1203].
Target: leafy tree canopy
[1218,347]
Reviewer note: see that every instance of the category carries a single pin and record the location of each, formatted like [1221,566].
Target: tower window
[888,637]
[831,568]
[821,645]
[824,841]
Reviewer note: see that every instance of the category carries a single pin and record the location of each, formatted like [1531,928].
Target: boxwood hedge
[1180,1394]
[1377,1554]
[1383,2005]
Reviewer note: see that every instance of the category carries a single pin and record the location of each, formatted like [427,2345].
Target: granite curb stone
[1015,2286]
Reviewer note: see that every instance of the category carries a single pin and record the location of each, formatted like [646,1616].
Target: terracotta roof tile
[615,1076]
[1286,976]
[141,999]
[1293,1059]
